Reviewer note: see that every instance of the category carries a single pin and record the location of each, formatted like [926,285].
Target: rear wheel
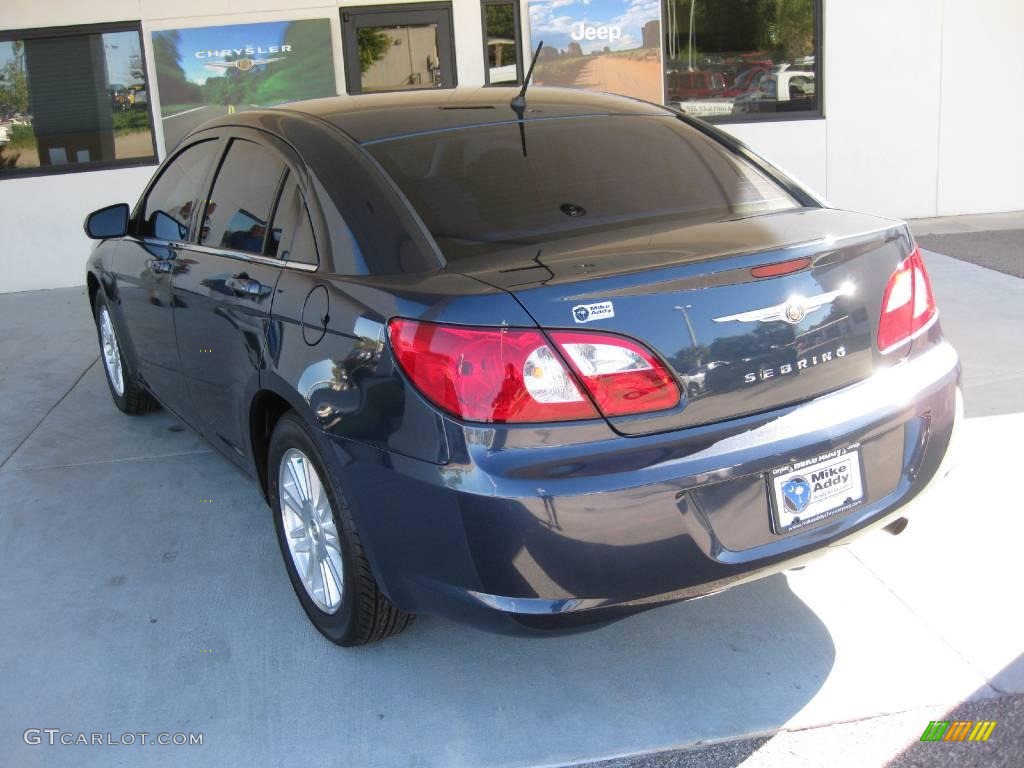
[128,395]
[321,548]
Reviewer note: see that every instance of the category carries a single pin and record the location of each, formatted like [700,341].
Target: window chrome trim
[251,257]
[177,245]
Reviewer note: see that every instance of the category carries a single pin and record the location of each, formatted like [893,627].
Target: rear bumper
[561,535]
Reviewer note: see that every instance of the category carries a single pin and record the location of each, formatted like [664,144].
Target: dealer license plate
[811,490]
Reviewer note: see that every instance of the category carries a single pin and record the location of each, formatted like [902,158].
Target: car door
[225,286]
[143,267]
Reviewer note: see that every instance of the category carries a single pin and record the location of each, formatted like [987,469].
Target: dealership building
[903,108]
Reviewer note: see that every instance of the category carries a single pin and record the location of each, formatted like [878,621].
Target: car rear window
[479,188]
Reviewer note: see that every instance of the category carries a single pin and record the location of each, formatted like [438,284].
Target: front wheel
[128,395]
[322,552]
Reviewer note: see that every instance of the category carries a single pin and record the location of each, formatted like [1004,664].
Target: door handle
[166,264]
[243,285]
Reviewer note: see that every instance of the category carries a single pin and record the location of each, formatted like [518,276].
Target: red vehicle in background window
[748,79]
[697,84]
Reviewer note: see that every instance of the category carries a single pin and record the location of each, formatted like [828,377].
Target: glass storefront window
[399,58]
[501,36]
[398,48]
[743,59]
[73,101]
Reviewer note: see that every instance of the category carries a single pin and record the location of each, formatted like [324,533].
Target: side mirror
[111,221]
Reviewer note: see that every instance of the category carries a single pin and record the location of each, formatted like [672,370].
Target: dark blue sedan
[532,366]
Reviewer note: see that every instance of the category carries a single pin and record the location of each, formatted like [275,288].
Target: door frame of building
[396,15]
[517,22]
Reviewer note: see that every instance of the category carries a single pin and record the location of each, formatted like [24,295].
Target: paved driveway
[141,590]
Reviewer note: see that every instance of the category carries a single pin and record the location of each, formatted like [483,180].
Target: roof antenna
[519,102]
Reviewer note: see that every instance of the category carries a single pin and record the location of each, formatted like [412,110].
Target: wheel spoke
[296,482]
[294,503]
[335,574]
[309,482]
[330,534]
[331,542]
[322,509]
[315,576]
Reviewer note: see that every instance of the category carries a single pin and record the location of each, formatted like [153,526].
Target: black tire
[134,400]
[365,614]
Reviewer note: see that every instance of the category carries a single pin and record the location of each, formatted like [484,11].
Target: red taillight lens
[908,305]
[621,375]
[505,375]
[488,374]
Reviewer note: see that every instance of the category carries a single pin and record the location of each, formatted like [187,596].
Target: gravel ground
[887,740]
[1001,250]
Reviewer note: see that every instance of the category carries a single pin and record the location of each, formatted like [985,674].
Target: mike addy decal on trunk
[785,369]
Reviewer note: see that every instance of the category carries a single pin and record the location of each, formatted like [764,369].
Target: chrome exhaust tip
[897,526]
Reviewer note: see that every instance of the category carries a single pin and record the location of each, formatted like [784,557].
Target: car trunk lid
[736,343]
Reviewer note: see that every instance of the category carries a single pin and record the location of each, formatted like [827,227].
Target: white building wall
[798,147]
[921,113]
[882,105]
[922,116]
[981,117]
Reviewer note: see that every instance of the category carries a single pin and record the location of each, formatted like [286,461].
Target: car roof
[375,117]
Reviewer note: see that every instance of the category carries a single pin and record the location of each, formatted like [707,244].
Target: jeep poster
[600,45]
[206,72]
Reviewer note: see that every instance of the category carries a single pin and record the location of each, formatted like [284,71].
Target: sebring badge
[791,311]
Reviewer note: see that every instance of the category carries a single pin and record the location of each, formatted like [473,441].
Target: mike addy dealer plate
[810,490]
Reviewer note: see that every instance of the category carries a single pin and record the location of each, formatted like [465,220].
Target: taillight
[908,306]
[488,374]
[621,375]
[513,375]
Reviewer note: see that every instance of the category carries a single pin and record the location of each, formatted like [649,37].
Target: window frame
[10,35]
[350,48]
[518,24]
[294,170]
[288,181]
[818,113]
[228,140]
[138,215]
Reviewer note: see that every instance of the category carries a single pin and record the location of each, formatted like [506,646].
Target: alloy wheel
[310,530]
[111,352]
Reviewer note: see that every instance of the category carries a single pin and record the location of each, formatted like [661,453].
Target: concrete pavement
[142,590]
[993,240]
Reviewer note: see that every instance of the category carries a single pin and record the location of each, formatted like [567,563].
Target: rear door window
[169,204]
[238,211]
[291,234]
[481,187]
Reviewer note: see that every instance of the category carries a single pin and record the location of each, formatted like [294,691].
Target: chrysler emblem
[795,312]
[791,311]
[244,64]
